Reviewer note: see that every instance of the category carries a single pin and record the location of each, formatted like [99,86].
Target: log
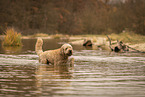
[121,46]
[87,43]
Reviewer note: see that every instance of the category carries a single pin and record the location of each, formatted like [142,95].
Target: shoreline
[97,40]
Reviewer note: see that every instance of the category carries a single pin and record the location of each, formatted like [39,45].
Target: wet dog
[56,57]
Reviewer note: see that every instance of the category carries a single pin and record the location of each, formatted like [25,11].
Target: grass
[59,36]
[12,38]
[128,37]
[40,35]
[55,36]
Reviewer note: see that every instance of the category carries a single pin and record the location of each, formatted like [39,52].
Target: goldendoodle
[57,56]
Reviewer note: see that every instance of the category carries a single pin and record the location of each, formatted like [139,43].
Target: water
[96,73]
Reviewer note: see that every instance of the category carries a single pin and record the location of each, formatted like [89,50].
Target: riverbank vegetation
[132,39]
[12,38]
[128,37]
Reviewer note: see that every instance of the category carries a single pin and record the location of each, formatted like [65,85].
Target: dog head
[66,50]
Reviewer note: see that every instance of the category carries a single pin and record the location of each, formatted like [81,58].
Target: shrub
[12,38]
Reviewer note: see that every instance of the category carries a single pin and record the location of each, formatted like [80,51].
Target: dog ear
[62,50]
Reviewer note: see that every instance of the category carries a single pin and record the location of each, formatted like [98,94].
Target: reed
[12,38]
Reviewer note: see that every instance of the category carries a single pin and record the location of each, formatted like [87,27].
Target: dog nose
[70,51]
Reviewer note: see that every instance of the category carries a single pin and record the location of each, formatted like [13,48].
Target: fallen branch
[121,46]
[109,43]
[134,49]
[109,39]
[87,43]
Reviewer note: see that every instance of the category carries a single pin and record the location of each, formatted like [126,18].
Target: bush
[12,38]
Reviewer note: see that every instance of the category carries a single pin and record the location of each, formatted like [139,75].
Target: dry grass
[57,36]
[128,37]
[46,36]
[40,35]
[12,38]
[60,36]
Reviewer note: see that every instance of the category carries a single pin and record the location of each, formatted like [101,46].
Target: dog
[56,57]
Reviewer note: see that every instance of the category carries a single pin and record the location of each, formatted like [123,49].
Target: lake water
[96,73]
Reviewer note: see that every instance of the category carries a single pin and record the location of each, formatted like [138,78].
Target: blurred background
[73,16]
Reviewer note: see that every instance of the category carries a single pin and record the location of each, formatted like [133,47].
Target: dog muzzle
[70,53]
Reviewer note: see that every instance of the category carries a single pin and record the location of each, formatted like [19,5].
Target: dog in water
[56,57]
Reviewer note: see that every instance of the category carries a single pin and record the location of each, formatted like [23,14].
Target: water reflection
[17,80]
[12,49]
[51,79]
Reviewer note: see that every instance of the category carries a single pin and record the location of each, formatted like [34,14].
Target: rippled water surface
[96,73]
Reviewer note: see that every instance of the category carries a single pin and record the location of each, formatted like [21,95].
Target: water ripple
[92,75]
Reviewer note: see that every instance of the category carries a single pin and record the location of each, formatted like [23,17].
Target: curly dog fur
[57,56]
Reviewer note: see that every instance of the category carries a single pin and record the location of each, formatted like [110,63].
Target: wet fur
[57,56]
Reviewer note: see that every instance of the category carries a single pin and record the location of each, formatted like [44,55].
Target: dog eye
[66,48]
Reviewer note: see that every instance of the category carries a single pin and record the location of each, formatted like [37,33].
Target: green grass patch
[12,38]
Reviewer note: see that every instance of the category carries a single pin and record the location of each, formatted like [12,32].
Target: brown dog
[58,56]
